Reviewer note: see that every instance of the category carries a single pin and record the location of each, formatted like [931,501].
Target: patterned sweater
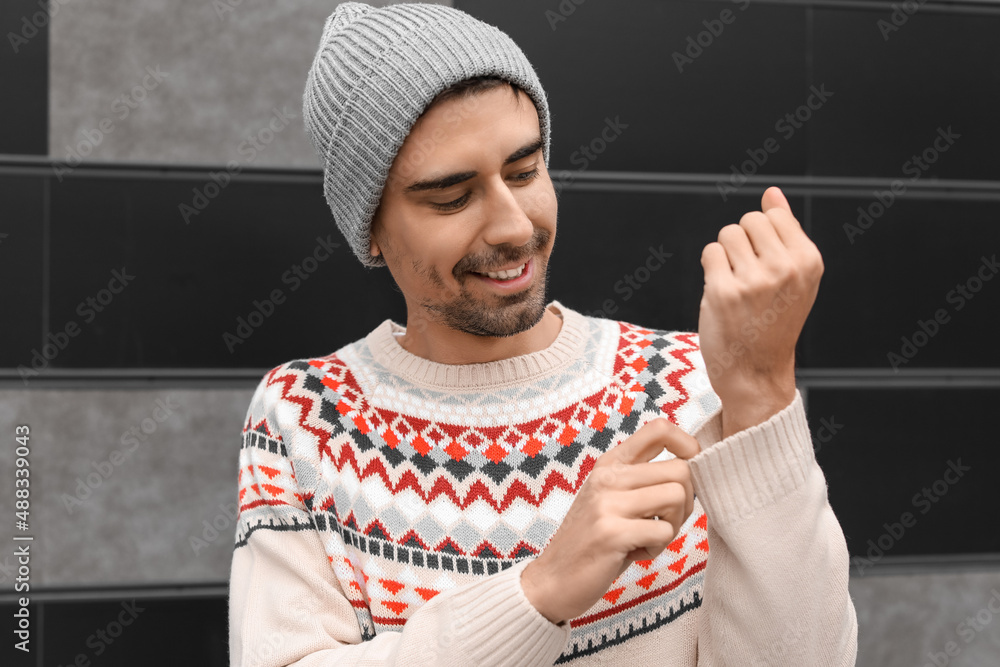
[388,505]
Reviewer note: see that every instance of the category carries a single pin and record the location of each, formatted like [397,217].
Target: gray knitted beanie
[376,71]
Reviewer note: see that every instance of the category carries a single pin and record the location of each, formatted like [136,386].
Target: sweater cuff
[735,477]
[507,624]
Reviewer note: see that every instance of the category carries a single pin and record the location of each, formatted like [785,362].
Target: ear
[373,248]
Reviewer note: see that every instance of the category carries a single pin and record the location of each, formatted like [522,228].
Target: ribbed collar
[567,346]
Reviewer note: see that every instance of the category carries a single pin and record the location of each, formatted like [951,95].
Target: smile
[512,278]
[503,275]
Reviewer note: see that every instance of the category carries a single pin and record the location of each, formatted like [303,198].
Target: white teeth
[503,275]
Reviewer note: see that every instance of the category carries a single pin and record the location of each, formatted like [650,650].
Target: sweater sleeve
[776,581]
[288,607]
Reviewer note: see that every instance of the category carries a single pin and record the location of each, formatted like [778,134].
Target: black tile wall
[918,260]
[938,70]
[189,283]
[886,453]
[614,60]
[22,270]
[887,97]
[24,73]
[151,632]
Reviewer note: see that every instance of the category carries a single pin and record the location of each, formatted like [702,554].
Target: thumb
[774,198]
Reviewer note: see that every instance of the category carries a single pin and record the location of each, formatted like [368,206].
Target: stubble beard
[498,315]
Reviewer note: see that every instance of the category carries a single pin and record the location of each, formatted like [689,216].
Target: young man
[505,481]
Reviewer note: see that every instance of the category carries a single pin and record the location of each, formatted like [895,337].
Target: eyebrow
[453,179]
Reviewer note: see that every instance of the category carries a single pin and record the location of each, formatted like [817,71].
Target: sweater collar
[567,346]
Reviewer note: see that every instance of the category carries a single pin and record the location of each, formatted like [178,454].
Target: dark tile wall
[266,253]
[926,452]
[125,632]
[24,74]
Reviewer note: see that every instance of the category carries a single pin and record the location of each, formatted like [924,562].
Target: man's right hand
[610,523]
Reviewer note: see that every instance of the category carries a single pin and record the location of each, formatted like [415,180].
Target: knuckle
[817,265]
[676,495]
[730,297]
[784,270]
[729,231]
[602,529]
[661,427]
[600,479]
[752,218]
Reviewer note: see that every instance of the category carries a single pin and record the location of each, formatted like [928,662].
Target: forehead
[489,114]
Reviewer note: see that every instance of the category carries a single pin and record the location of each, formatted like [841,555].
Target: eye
[448,206]
[458,203]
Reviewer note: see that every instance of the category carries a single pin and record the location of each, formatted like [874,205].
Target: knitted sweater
[388,505]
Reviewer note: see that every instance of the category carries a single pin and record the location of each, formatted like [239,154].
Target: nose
[505,219]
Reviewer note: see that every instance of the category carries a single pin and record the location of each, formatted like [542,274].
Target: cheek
[541,203]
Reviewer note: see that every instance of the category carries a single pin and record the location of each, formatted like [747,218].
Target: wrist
[535,593]
[754,405]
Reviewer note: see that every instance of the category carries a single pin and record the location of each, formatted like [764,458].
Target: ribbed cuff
[506,629]
[751,469]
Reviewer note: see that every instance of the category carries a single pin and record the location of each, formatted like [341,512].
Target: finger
[647,442]
[716,264]
[655,536]
[642,486]
[789,229]
[681,444]
[682,476]
[738,250]
[774,198]
[670,501]
[654,472]
[763,236]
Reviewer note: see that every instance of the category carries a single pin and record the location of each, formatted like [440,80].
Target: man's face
[469,193]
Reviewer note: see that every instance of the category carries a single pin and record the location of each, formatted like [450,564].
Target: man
[505,481]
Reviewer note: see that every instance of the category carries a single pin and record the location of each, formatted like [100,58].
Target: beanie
[376,71]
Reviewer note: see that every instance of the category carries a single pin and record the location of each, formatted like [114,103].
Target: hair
[475,85]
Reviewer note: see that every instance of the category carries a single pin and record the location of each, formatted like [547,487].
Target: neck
[442,344]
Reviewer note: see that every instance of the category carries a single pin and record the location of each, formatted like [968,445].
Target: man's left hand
[761,280]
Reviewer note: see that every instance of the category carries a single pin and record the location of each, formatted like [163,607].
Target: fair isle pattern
[416,491]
